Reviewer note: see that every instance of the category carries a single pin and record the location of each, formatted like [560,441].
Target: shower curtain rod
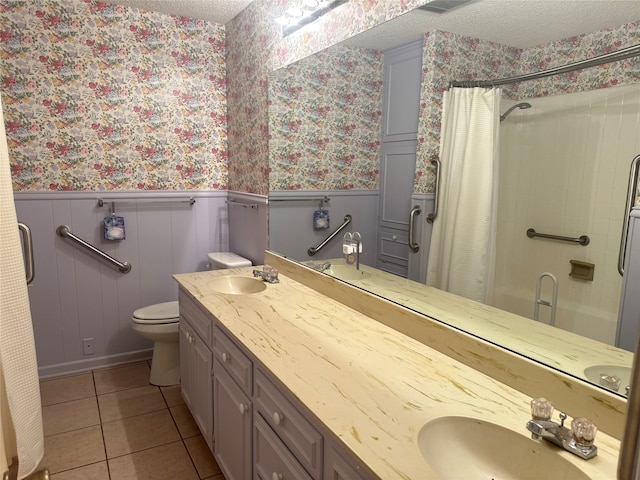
[618,55]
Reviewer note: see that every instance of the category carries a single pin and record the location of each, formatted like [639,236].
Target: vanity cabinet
[196,366]
[285,420]
[232,417]
[338,466]
[254,426]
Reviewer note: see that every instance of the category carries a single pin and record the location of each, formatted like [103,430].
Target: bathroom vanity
[286,382]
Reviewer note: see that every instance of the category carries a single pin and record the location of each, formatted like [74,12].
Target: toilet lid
[167,312]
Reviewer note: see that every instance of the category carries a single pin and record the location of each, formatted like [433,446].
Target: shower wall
[564,167]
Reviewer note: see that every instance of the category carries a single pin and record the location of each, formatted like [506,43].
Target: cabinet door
[397,172]
[338,467]
[232,424]
[202,388]
[402,80]
[185,363]
[271,457]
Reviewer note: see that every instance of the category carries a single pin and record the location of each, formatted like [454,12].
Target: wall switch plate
[88,346]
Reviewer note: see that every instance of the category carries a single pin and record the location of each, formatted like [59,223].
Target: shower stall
[564,171]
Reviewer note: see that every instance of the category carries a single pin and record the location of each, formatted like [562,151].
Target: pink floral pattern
[104,97]
[325,121]
[447,57]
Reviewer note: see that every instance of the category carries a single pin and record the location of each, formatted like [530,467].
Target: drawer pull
[225,357]
[278,418]
[276,476]
[242,407]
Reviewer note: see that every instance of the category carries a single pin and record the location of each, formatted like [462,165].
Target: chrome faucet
[577,440]
[268,274]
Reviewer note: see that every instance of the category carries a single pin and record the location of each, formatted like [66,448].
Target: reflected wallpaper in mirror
[329,144]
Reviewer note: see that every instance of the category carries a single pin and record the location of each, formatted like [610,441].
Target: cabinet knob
[276,476]
[225,357]
[278,418]
[242,407]
[394,237]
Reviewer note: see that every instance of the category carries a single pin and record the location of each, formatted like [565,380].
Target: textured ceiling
[518,23]
[216,11]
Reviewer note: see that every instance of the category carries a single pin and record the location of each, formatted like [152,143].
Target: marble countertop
[371,386]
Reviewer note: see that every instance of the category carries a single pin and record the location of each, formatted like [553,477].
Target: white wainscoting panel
[75,295]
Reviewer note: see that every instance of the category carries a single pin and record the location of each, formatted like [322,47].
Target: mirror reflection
[354,129]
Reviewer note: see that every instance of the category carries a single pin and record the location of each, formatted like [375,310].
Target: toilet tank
[222,260]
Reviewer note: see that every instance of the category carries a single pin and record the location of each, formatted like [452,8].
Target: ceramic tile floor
[111,424]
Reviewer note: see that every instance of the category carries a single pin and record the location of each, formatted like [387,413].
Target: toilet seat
[160,313]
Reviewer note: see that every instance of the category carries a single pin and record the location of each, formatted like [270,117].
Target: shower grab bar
[412,219]
[65,231]
[632,191]
[27,240]
[582,239]
[432,216]
[313,250]
[551,304]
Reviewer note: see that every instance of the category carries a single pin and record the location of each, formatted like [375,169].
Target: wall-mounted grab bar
[632,192]
[313,250]
[412,244]
[252,206]
[582,239]
[64,231]
[324,199]
[551,304]
[432,216]
[28,251]
[189,200]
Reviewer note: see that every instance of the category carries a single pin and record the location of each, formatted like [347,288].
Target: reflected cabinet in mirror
[355,129]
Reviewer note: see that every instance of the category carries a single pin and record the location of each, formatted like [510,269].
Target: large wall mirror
[564,167]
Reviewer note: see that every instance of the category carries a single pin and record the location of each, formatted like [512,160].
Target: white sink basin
[462,447]
[623,373]
[236,285]
[347,272]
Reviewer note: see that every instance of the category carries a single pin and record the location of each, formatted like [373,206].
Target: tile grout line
[104,441]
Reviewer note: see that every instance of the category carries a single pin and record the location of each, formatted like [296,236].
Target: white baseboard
[79,366]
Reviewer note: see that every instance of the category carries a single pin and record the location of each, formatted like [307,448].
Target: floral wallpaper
[255,48]
[325,121]
[447,56]
[103,97]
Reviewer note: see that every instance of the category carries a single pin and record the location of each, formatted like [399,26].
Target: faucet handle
[583,431]
[541,409]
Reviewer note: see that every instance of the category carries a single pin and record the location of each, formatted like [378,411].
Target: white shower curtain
[20,409]
[461,256]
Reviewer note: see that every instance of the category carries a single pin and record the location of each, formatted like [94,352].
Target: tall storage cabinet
[401,107]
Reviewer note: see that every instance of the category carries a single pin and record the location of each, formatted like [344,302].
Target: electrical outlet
[88,346]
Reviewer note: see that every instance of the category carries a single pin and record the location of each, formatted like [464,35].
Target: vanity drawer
[271,458]
[233,359]
[198,319]
[297,433]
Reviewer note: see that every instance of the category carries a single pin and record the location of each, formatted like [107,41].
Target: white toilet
[161,323]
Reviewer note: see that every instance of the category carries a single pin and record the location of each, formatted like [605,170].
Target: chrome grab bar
[631,195]
[546,303]
[432,216]
[582,239]
[64,231]
[313,250]
[27,240]
[414,211]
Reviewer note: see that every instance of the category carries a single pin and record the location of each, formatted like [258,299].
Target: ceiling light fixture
[307,11]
